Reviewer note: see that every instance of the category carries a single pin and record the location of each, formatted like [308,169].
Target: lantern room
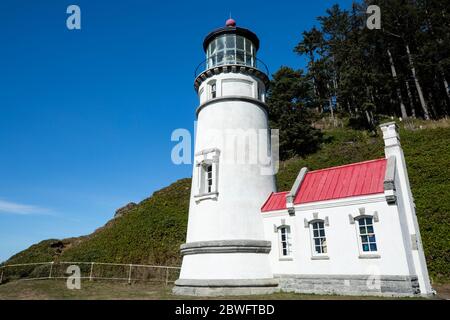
[231,45]
[231,49]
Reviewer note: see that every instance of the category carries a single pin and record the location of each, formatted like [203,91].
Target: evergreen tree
[401,70]
[289,100]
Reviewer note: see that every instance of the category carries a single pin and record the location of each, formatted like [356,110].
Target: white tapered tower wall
[229,125]
[242,187]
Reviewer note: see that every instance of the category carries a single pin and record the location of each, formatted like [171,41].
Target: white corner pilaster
[399,186]
[290,197]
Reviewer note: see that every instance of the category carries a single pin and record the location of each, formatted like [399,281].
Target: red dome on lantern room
[230,23]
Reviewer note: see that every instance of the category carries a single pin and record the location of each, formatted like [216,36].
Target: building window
[285,241]
[367,235]
[261,94]
[213,90]
[206,176]
[319,240]
[209,177]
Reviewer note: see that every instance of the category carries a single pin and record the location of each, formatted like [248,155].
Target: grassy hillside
[153,230]
[150,233]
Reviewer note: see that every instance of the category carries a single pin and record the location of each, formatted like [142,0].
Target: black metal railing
[211,63]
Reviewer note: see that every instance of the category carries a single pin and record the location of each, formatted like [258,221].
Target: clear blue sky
[86,116]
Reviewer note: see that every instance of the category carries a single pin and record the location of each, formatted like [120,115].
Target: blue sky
[86,116]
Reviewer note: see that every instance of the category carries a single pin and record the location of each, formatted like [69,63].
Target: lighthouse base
[216,288]
[225,267]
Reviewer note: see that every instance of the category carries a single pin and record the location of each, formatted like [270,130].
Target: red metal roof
[351,180]
[357,179]
[276,201]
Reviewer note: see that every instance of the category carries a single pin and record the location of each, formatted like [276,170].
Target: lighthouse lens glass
[230,49]
[212,48]
[220,58]
[230,41]
[240,43]
[240,57]
[220,43]
[230,57]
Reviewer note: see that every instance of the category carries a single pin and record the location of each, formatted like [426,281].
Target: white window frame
[213,90]
[207,186]
[288,242]
[369,253]
[212,94]
[314,253]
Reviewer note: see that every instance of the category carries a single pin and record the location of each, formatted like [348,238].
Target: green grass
[152,232]
[105,290]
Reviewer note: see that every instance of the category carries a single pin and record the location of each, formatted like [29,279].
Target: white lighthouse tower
[226,251]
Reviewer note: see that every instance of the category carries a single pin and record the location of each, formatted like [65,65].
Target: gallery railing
[233,60]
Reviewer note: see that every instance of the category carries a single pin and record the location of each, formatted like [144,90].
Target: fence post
[92,269]
[1,276]
[51,270]
[129,274]
[167,276]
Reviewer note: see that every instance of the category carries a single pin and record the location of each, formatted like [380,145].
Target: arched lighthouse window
[212,89]
[207,163]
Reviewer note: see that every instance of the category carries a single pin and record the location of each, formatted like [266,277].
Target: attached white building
[349,230]
[344,230]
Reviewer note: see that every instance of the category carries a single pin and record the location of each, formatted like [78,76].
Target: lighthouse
[226,252]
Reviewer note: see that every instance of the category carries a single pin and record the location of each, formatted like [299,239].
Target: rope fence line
[89,270]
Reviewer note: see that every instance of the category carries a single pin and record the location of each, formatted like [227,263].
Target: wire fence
[89,270]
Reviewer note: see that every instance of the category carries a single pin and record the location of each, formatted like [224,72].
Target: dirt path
[443,291]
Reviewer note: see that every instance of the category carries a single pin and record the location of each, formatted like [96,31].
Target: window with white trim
[285,241]
[366,234]
[207,163]
[206,177]
[213,86]
[318,238]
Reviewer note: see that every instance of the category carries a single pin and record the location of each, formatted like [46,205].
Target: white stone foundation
[351,285]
